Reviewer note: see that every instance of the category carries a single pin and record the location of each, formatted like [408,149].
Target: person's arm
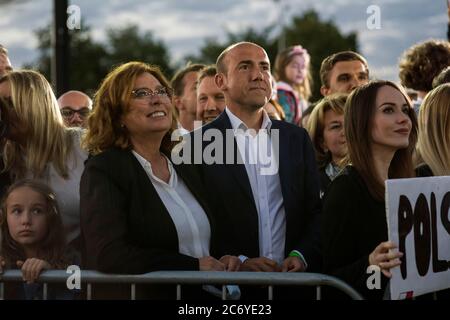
[104,223]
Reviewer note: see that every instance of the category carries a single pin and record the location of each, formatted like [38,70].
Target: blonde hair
[434,130]
[47,141]
[112,101]
[316,124]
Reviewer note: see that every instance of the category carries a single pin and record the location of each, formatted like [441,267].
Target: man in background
[184,84]
[75,107]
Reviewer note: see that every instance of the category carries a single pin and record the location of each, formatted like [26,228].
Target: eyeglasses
[68,112]
[146,94]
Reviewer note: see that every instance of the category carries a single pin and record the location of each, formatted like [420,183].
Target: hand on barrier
[384,257]
[293,264]
[232,263]
[260,264]
[32,268]
[210,264]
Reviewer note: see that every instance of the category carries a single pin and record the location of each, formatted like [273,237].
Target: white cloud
[385,73]
[184,24]
[17,37]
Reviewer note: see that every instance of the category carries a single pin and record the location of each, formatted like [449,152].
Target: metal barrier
[189,277]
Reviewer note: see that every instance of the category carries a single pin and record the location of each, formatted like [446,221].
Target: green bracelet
[294,254]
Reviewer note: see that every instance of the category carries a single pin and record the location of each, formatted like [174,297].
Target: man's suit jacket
[234,207]
[125,226]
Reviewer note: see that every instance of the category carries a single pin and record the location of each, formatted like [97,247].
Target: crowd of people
[95,182]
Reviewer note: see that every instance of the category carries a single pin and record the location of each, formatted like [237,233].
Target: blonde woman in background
[434,133]
[326,129]
[37,145]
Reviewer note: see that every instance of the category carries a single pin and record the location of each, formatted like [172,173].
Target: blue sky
[184,24]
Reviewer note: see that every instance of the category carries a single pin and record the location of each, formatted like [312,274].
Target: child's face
[26,216]
[296,70]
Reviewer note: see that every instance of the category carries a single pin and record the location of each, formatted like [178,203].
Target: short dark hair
[177,82]
[208,71]
[329,62]
[442,77]
[422,62]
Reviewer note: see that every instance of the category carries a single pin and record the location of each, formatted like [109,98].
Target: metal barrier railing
[179,278]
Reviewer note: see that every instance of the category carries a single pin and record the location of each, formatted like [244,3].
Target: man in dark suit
[266,215]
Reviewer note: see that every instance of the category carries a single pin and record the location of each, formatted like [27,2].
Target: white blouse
[190,219]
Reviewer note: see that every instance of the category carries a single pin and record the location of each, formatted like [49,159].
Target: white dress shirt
[190,219]
[266,188]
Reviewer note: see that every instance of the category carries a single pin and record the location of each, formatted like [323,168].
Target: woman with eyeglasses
[139,211]
[37,145]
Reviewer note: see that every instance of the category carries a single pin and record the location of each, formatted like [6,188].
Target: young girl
[32,233]
[293,77]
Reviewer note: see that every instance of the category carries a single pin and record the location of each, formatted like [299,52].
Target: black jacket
[353,225]
[125,226]
[234,207]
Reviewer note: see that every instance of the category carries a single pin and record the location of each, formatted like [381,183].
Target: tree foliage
[320,38]
[91,60]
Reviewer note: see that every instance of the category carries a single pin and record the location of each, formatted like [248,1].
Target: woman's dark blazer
[354,224]
[324,181]
[125,226]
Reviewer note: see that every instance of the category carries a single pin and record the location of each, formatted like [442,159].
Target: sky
[184,24]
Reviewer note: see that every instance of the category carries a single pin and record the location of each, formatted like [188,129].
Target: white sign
[419,223]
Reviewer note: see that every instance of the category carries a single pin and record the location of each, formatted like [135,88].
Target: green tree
[212,48]
[320,38]
[87,59]
[127,44]
[90,61]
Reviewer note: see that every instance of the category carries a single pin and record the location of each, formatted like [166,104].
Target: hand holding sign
[384,258]
[418,212]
